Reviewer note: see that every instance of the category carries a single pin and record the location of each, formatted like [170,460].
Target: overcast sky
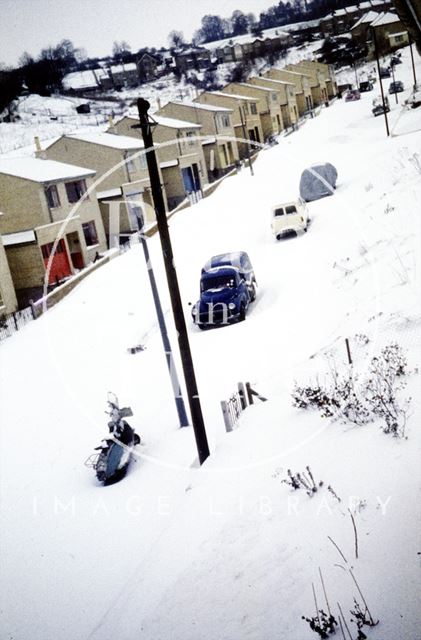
[30,25]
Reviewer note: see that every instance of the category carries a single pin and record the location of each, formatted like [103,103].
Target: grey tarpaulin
[313,187]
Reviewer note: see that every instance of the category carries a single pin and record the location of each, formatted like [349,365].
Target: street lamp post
[373,31]
[177,307]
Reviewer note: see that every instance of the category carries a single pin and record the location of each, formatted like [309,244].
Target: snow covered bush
[322,624]
[343,397]
[302,481]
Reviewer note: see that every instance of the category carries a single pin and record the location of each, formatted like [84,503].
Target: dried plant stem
[355,533]
[343,618]
[324,591]
[315,603]
[341,626]
[334,543]
[362,597]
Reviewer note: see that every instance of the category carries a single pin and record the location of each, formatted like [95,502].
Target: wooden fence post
[227,418]
[348,350]
[242,394]
[249,393]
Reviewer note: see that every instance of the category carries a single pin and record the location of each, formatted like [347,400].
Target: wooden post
[348,350]
[16,321]
[242,394]
[227,418]
[34,313]
[249,393]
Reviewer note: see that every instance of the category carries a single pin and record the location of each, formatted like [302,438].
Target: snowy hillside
[227,551]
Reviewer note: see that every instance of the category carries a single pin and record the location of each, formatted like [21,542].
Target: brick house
[179,153]
[268,106]
[216,122]
[246,119]
[129,180]
[36,196]
[301,83]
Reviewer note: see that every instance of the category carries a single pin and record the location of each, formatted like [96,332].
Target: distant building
[239,48]
[195,58]
[8,300]
[147,67]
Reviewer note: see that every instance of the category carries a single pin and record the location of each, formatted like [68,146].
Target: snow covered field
[226,551]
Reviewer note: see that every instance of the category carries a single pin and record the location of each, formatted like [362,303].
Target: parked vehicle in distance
[227,286]
[396,87]
[378,109]
[395,60]
[353,94]
[240,260]
[366,85]
[289,218]
[384,72]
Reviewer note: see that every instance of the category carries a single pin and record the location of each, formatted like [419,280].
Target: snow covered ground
[226,550]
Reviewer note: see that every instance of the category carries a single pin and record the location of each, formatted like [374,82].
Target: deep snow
[225,551]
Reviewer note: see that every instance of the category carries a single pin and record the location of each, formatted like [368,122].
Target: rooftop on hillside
[39,170]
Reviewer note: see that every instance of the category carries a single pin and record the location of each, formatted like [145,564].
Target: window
[290,209]
[51,193]
[143,161]
[47,249]
[89,231]
[245,109]
[191,138]
[75,190]
[135,211]
[224,121]
[273,97]
[130,163]
[253,108]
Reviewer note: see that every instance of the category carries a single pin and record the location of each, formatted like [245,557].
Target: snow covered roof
[174,123]
[234,96]
[109,193]
[108,140]
[254,86]
[39,170]
[247,38]
[366,18]
[119,68]
[80,80]
[198,105]
[20,237]
[168,163]
[208,141]
[272,80]
[386,17]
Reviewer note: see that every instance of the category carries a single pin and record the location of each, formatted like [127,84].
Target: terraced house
[120,164]
[268,106]
[286,97]
[318,84]
[36,196]
[301,83]
[179,152]
[220,147]
[246,119]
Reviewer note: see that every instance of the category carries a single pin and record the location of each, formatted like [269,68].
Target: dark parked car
[227,286]
[353,94]
[366,86]
[384,72]
[378,109]
[396,87]
[395,60]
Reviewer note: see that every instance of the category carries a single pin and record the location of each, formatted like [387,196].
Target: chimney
[39,153]
[111,128]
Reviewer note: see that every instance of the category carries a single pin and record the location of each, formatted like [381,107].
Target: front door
[60,263]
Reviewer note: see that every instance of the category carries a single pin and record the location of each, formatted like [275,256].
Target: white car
[289,218]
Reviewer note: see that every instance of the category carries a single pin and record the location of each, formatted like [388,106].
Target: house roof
[247,38]
[254,86]
[386,17]
[120,68]
[20,237]
[39,170]
[174,123]
[366,18]
[80,80]
[111,140]
[234,96]
[273,80]
[198,105]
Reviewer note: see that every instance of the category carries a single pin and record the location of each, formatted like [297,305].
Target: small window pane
[89,231]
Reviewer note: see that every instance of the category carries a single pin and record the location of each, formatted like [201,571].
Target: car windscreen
[290,209]
[218,282]
[278,212]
